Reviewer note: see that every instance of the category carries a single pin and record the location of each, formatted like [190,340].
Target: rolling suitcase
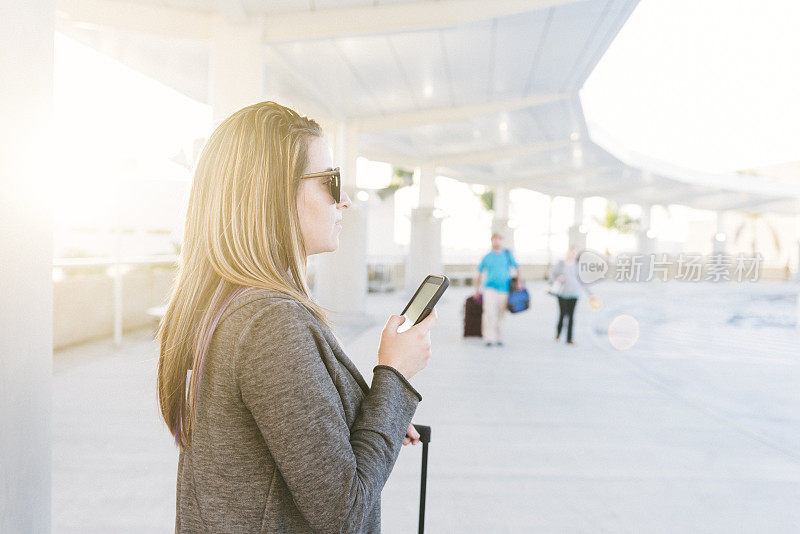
[473,309]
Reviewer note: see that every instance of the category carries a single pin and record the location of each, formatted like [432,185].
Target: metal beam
[390,18]
[394,158]
[498,154]
[632,194]
[672,193]
[559,175]
[296,26]
[786,206]
[314,101]
[130,16]
[717,201]
[449,162]
[469,176]
[234,11]
[610,190]
[410,119]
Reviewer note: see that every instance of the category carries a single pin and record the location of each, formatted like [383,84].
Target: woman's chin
[333,245]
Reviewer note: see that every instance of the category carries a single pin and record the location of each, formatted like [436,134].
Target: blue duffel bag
[518,299]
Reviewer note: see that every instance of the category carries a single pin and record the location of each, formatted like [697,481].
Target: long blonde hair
[242,233]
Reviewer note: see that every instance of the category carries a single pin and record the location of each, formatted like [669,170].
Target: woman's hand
[414,439]
[408,352]
[561,278]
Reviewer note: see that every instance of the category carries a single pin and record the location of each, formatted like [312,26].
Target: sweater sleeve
[335,475]
[554,272]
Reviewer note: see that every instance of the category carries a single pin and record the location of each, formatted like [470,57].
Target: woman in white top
[565,272]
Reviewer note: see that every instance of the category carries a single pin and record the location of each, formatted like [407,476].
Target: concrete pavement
[695,428]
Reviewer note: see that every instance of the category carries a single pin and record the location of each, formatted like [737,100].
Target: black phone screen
[421,300]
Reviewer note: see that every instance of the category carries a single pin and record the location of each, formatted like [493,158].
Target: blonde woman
[277,429]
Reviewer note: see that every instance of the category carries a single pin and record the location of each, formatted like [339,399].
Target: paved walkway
[696,428]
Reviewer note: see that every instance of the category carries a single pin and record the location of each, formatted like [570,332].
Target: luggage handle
[425,438]
[424,433]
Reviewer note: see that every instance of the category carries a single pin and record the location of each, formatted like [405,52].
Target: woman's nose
[344,201]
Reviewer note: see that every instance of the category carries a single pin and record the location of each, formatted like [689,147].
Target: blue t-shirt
[497,265]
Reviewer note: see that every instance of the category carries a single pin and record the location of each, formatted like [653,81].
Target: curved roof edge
[736,182]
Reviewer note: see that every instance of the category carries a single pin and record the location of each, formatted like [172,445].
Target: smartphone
[424,300]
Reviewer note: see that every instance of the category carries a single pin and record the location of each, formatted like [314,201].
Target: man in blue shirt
[497,265]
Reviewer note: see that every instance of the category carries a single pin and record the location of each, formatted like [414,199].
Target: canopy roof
[486,91]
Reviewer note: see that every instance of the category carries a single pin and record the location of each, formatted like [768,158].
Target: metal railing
[116,273]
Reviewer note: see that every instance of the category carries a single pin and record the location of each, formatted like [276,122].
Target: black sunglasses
[335,181]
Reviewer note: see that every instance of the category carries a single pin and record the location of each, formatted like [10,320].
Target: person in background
[497,265]
[566,273]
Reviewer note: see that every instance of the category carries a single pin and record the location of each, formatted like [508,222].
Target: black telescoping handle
[425,438]
[424,433]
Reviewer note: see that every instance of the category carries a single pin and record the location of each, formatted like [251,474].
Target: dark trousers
[567,308]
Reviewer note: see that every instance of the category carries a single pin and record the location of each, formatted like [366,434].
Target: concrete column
[798,311]
[645,244]
[797,267]
[341,276]
[576,237]
[425,246]
[797,273]
[500,226]
[26,261]
[550,231]
[719,238]
[577,154]
[237,66]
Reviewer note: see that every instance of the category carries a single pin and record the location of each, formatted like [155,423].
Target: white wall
[26,252]
[83,306]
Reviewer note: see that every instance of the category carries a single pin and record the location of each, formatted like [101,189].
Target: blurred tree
[487,199]
[400,178]
[752,222]
[616,221]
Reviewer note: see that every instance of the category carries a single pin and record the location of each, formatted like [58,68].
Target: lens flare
[623,332]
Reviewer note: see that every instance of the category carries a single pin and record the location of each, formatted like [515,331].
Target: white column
[425,246]
[576,237]
[26,261]
[719,238]
[500,226]
[797,273]
[798,311]
[550,231]
[341,276]
[237,65]
[644,242]
[797,270]
[116,269]
[577,154]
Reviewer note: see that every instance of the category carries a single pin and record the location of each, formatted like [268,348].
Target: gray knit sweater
[288,436]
